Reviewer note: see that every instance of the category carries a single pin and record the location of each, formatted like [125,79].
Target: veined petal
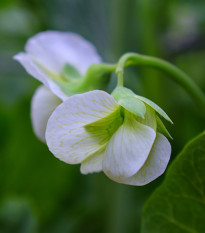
[155,165]
[66,136]
[39,73]
[128,149]
[53,49]
[92,163]
[43,104]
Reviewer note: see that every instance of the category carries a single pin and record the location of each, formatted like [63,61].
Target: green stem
[177,75]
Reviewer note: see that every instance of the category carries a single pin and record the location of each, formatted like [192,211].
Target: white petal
[53,49]
[155,164]
[42,105]
[66,136]
[36,71]
[128,149]
[92,164]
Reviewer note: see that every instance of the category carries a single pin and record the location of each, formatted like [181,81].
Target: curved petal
[53,49]
[92,164]
[128,149]
[42,105]
[39,73]
[155,164]
[66,136]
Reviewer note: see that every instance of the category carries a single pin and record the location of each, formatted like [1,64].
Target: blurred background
[39,193]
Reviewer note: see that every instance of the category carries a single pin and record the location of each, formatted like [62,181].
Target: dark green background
[39,193]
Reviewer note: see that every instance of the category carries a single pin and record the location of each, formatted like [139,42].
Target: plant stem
[177,75]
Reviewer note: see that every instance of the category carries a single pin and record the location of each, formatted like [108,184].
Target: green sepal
[127,99]
[162,129]
[70,73]
[155,107]
[149,118]
[98,76]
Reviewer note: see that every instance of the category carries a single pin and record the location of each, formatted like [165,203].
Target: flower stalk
[134,59]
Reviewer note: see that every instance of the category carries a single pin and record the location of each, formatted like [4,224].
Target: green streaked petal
[128,149]
[106,126]
[66,135]
[29,63]
[126,98]
[155,106]
[46,53]
[66,83]
[102,130]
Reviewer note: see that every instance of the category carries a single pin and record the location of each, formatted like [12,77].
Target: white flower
[46,55]
[95,130]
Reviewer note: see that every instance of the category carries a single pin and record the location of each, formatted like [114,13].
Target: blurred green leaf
[16,215]
[178,205]
[24,21]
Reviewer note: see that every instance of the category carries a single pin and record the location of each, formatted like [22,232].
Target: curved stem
[178,76]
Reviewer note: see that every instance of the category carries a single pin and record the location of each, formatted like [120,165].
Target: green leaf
[178,205]
[126,98]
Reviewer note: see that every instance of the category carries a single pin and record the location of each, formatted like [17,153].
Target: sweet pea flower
[51,57]
[119,134]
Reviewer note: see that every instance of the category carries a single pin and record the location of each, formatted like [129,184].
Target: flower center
[104,128]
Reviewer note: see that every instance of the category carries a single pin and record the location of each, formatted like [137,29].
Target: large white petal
[155,165]
[53,49]
[66,135]
[92,164]
[43,104]
[128,149]
[36,71]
